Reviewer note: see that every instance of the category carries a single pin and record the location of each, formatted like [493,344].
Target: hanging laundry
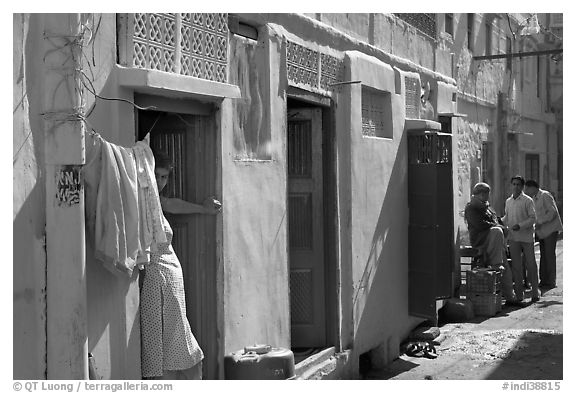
[152,229]
[91,175]
[123,212]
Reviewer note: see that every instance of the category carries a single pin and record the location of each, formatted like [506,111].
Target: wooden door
[305,227]
[190,140]
[422,242]
[430,231]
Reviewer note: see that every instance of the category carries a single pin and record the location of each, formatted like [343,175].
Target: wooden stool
[476,261]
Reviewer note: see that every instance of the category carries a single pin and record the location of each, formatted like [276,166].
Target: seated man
[488,235]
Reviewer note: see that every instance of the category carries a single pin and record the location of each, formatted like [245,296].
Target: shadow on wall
[107,301]
[383,286]
[29,208]
[112,298]
[108,337]
[29,285]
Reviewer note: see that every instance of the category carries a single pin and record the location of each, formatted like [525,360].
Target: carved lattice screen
[193,44]
[426,23]
[412,97]
[311,69]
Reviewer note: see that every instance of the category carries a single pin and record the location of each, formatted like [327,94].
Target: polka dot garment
[167,341]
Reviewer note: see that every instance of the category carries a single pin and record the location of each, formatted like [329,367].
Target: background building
[509,125]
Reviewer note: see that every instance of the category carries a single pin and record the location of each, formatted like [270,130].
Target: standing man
[548,224]
[520,218]
[488,235]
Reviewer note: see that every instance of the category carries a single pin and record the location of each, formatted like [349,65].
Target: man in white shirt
[548,224]
[520,218]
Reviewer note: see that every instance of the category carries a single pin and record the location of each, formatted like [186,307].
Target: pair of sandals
[421,349]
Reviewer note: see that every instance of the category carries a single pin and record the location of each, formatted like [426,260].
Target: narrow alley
[516,344]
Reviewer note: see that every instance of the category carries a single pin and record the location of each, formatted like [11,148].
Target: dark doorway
[305,228]
[190,140]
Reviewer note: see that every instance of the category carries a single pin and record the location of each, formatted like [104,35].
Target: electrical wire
[92,90]
[77,43]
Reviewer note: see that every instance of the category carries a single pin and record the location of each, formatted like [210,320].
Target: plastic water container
[259,362]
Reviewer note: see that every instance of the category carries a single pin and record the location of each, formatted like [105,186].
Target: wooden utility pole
[67,340]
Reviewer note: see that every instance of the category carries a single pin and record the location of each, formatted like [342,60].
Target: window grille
[193,44]
[412,97]
[376,113]
[430,148]
[426,23]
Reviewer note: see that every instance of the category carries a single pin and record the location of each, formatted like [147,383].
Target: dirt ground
[516,344]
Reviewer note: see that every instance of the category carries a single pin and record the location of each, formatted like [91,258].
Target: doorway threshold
[313,357]
[325,364]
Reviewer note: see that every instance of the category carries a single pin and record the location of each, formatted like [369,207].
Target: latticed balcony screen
[308,68]
[426,23]
[194,44]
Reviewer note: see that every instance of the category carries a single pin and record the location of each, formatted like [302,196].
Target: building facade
[553,30]
[300,125]
[508,125]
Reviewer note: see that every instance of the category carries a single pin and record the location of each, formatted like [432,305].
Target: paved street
[517,344]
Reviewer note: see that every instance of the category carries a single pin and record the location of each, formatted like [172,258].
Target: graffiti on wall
[68,185]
